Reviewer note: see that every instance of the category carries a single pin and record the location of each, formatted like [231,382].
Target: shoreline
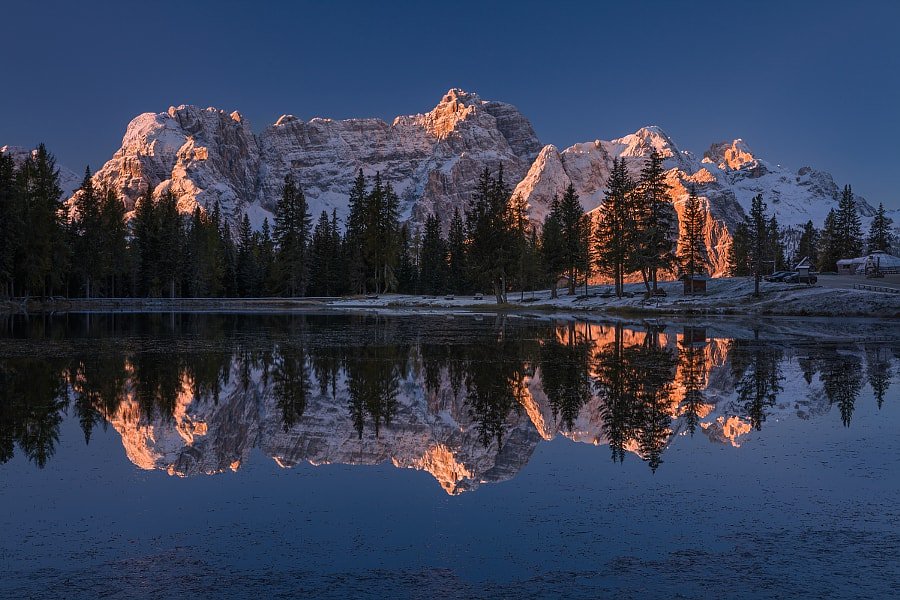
[729,297]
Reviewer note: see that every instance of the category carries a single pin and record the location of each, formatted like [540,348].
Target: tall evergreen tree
[492,240]
[808,246]
[433,264]
[113,242]
[775,238]
[86,233]
[616,233]
[829,250]
[848,227]
[572,225]
[355,250]
[292,226]
[692,253]
[11,226]
[758,240]
[656,221]
[880,235]
[739,251]
[457,268]
[553,246]
[247,261]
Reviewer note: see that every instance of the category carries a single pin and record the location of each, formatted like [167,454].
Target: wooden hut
[694,284]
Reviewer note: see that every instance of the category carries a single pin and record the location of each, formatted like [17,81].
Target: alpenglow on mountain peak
[432,160]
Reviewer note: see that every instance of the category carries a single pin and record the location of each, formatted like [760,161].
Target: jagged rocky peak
[734,155]
[646,139]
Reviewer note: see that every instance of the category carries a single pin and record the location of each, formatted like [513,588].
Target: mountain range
[433,160]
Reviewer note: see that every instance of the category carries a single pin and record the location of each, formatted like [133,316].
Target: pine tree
[433,264]
[739,252]
[758,240]
[170,242]
[615,235]
[292,226]
[880,235]
[829,244]
[808,246]
[553,246]
[268,281]
[457,269]
[42,258]
[491,240]
[11,226]
[86,232]
[247,261]
[775,238]
[355,251]
[113,242]
[848,228]
[408,276]
[572,227]
[692,253]
[143,244]
[655,222]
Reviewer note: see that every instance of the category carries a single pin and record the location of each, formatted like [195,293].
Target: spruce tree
[355,237]
[880,235]
[572,226]
[758,240]
[86,233]
[848,234]
[433,263]
[170,243]
[775,237]
[492,241]
[739,252]
[808,246]
[553,246]
[247,261]
[616,230]
[292,226]
[10,223]
[457,269]
[692,253]
[829,243]
[113,242]
[655,222]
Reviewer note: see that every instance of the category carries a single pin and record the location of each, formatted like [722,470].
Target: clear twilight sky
[814,83]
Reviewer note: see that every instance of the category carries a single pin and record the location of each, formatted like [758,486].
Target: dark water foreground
[366,455]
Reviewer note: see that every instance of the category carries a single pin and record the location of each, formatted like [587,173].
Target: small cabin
[694,285]
[804,271]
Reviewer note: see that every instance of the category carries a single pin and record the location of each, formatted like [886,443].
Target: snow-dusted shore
[732,296]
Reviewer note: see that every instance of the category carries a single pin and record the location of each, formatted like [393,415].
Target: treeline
[759,245]
[87,248]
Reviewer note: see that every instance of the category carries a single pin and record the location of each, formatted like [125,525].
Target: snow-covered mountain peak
[646,139]
[734,155]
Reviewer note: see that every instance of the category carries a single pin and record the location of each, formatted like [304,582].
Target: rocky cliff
[432,160]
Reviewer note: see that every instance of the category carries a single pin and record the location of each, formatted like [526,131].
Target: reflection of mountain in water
[468,401]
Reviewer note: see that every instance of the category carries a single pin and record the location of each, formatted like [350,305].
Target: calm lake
[452,456]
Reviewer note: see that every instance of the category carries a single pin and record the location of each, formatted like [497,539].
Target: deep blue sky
[803,83]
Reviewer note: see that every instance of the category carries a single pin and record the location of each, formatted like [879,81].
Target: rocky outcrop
[433,160]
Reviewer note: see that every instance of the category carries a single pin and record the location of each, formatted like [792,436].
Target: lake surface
[390,455]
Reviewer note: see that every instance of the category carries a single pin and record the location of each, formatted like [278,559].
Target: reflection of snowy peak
[436,431]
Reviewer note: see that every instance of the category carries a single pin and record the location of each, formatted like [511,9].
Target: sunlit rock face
[432,160]
[726,179]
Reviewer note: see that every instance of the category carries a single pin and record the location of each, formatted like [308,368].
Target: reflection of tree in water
[841,376]
[878,371]
[692,367]
[495,371]
[756,368]
[32,398]
[373,370]
[564,373]
[290,382]
[634,383]
[98,383]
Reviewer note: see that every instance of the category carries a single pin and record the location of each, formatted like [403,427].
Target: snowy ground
[725,296]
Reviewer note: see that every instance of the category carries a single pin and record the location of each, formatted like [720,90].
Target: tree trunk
[571,281]
[646,279]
